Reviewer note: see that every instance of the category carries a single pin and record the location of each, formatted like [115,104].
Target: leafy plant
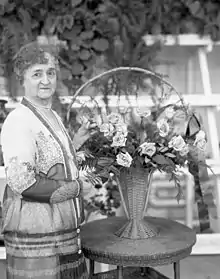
[100,34]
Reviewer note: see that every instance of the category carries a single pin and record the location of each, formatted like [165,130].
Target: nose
[45,79]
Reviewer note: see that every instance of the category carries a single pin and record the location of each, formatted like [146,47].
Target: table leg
[144,271]
[119,272]
[176,267]
[91,268]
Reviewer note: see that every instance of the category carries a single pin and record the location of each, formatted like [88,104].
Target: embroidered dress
[42,237]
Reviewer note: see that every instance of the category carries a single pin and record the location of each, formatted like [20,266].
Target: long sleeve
[19,153]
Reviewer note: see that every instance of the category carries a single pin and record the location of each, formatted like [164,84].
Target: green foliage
[101,34]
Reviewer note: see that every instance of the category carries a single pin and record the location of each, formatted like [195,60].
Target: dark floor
[194,267]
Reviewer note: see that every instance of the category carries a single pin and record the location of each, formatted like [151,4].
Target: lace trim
[20,175]
[49,152]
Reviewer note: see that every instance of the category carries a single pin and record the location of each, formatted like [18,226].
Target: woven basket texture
[134,185]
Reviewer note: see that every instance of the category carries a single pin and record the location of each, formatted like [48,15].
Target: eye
[51,73]
[37,75]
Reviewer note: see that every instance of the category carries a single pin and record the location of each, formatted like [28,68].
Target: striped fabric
[44,256]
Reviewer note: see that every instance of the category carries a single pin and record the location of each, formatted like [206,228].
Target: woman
[42,209]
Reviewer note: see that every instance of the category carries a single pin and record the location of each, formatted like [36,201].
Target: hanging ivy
[100,33]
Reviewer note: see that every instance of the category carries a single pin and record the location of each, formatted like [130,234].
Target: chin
[45,95]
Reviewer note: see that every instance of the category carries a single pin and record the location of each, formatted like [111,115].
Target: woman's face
[40,79]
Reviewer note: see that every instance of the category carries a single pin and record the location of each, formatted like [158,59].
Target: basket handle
[137,69]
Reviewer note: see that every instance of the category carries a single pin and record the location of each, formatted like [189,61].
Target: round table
[173,243]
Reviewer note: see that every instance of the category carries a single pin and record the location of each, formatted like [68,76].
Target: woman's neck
[38,102]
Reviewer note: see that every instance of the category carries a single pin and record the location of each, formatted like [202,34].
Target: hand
[86,185]
[87,129]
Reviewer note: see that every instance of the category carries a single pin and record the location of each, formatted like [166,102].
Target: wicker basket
[134,186]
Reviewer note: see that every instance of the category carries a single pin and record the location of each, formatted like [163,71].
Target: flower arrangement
[164,136]
[156,139]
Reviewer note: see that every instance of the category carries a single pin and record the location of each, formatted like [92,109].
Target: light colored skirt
[44,256]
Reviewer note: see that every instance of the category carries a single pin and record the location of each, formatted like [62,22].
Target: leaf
[34,24]
[87,44]
[84,54]
[75,47]
[104,173]
[3,2]
[75,3]
[87,35]
[93,178]
[77,68]
[26,20]
[9,7]
[65,73]
[43,12]
[102,8]
[100,44]
[162,160]
[156,29]
[60,26]
[73,33]
[218,19]
[89,63]
[50,24]
[194,7]
[105,161]
[1,71]
[163,149]
[68,21]
[170,155]
[115,25]
[2,10]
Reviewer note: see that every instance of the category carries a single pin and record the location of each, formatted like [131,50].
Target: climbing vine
[100,33]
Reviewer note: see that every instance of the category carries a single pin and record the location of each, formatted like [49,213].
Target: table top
[100,244]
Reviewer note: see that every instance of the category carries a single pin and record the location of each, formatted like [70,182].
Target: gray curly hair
[33,53]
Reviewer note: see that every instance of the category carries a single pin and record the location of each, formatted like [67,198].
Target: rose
[123,109]
[148,148]
[144,114]
[80,156]
[169,112]
[201,144]
[184,151]
[107,129]
[119,140]
[121,128]
[179,171]
[177,143]
[163,127]
[114,118]
[200,140]
[124,159]
[199,136]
